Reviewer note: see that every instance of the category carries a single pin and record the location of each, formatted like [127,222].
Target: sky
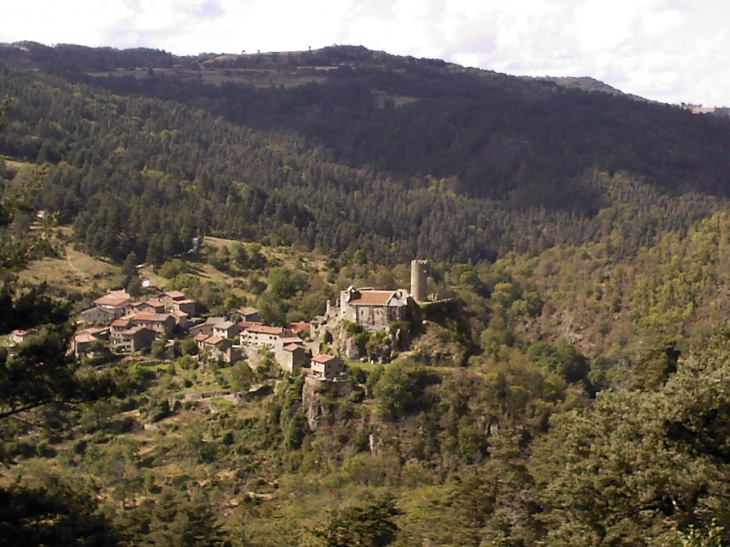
[667,50]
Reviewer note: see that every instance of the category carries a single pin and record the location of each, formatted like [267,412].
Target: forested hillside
[569,386]
[395,156]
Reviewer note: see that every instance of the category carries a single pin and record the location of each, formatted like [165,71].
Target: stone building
[162,323]
[212,348]
[153,305]
[115,301]
[82,341]
[247,314]
[419,277]
[18,336]
[262,336]
[133,339]
[226,329]
[328,367]
[372,309]
[97,316]
[292,358]
[206,327]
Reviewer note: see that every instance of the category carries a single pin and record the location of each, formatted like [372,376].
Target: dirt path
[75,269]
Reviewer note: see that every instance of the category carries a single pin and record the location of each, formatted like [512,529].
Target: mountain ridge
[397,156]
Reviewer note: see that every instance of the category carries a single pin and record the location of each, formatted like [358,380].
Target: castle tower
[419,273]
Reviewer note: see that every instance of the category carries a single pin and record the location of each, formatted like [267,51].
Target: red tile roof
[21,332]
[371,298]
[142,317]
[263,329]
[112,299]
[298,327]
[290,340]
[249,324]
[292,347]
[94,331]
[323,358]
[154,317]
[201,337]
[120,323]
[175,295]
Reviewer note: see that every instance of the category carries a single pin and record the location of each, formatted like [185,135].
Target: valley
[553,373]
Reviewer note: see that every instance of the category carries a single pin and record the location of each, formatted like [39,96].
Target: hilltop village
[119,324]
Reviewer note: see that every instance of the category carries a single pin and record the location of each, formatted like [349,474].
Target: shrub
[160,411]
[400,390]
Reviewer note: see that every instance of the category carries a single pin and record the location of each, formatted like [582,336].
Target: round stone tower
[419,273]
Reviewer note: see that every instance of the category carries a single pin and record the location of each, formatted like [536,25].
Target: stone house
[262,336]
[133,339]
[212,348]
[83,340]
[247,314]
[115,301]
[327,367]
[206,327]
[81,343]
[187,305]
[247,324]
[292,358]
[284,356]
[181,318]
[372,309]
[161,323]
[168,297]
[100,333]
[118,325]
[226,329]
[299,327]
[97,316]
[19,336]
[151,306]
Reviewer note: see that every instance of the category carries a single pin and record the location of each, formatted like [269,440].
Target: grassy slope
[74,272]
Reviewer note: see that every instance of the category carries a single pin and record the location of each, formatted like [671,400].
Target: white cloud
[672,50]
[662,22]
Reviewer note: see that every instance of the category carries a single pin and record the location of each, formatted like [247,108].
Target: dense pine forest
[570,389]
[470,166]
